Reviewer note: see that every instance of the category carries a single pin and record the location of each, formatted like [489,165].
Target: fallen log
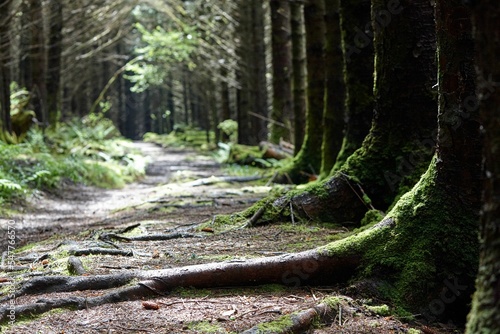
[273,151]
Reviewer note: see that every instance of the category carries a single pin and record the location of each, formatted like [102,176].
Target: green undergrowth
[183,137]
[88,151]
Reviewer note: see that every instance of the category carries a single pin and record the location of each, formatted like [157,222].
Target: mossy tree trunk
[431,257]
[308,161]
[485,314]
[426,258]
[333,118]
[398,147]
[400,144]
[282,71]
[299,73]
[358,75]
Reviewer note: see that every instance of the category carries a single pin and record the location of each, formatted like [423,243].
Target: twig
[346,177]
[129,228]
[271,180]
[257,215]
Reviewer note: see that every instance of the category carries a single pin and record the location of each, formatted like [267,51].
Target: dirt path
[170,198]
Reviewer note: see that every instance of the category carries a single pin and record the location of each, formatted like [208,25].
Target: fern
[37,177]
[8,187]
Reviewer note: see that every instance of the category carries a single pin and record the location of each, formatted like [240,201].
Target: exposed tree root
[298,322]
[220,179]
[338,200]
[75,266]
[100,251]
[160,237]
[335,263]
[50,284]
[150,237]
[75,303]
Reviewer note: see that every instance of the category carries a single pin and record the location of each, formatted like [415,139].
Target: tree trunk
[299,73]
[485,314]
[440,214]
[54,60]
[399,146]
[333,118]
[358,62]
[225,110]
[170,105]
[244,70]
[25,79]
[5,76]
[185,97]
[308,160]
[258,85]
[282,71]
[38,57]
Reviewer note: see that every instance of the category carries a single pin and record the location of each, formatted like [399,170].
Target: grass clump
[88,151]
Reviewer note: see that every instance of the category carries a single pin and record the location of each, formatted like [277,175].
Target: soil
[170,199]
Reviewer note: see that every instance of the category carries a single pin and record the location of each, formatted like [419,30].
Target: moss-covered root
[429,260]
[300,322]
[338,200]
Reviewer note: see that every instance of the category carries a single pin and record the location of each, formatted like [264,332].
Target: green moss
[205,327]
[382,310]
[192,292]
[414,331]
[334,301]
[433,240]
[279,325]
[372,216]
[360,242]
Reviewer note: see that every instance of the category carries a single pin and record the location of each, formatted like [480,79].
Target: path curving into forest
[73,208]
[179,191]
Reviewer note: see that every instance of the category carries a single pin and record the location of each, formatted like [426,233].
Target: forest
[249,166]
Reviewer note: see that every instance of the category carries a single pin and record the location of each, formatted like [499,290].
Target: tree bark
[485,314]
[258,86]
[309,158]
[333,118]
[282,71]
[299,73]
[399,146]
[25,79]
[244,52]
[5,75]
[307,162]
[225,110]
[54,60]
[38,60]
[358,71]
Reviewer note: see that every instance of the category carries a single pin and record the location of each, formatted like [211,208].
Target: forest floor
[171,198]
